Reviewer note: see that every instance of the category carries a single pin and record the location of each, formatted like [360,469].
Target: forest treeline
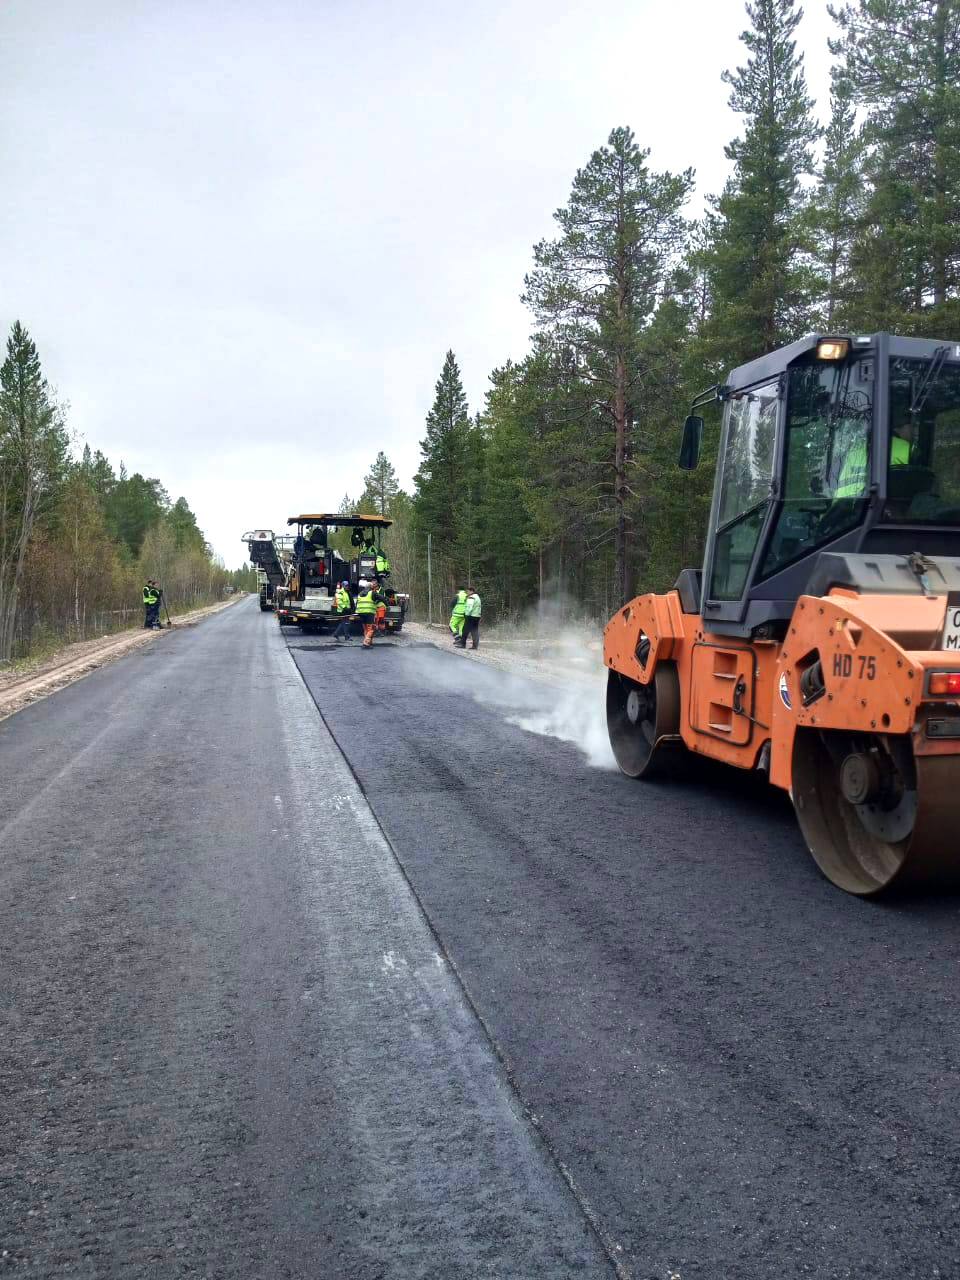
[77,538]
[564,484]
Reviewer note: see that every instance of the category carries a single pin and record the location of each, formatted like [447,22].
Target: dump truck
[266,553]
[316,568]
[819,642]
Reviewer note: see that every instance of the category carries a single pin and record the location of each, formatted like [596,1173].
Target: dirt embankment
[21,687]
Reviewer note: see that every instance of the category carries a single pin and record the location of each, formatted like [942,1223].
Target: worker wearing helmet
[471,619]
[457,615]
[343,608]
[368,598]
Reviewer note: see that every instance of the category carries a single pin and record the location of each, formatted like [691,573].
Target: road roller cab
[820,641]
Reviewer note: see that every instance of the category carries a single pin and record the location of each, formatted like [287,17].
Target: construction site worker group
[465,618]
[152,595]
[370,609]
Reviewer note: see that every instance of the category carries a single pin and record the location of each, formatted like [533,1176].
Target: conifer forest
[562,486]
[78,538]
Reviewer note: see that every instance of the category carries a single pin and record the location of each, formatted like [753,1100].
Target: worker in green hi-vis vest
[457,616]
[471,620]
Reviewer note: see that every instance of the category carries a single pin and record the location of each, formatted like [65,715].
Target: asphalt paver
[230,1043]
[743,1072]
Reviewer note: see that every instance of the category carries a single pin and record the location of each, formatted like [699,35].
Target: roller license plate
[951,624]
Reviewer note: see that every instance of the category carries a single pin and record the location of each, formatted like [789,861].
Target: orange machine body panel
[741,698]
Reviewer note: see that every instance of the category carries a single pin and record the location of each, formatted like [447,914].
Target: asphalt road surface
[746,1072]
[379,983]
[230,1044]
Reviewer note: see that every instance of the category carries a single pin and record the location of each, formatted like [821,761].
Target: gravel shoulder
[20,688]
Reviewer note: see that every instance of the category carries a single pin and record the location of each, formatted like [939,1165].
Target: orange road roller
[820,642]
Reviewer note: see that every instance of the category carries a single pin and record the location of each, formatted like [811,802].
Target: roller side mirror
[690,444]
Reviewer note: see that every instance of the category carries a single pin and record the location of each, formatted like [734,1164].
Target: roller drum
[874,816]
[643,722]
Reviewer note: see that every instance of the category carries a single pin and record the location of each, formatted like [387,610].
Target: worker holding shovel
[151,605]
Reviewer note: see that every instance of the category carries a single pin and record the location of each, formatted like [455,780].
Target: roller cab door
[742,498]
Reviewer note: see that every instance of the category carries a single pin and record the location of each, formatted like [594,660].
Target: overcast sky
[243,234]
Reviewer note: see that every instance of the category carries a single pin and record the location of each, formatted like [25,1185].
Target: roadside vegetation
[564,484]
[77,538]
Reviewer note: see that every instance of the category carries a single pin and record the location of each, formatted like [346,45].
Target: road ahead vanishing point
[315,962]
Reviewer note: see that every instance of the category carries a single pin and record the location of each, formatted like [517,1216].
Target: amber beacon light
[833,349]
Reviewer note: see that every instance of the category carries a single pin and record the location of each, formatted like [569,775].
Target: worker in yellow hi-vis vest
[855,472]
[343,608]
[368,598]
[152,596]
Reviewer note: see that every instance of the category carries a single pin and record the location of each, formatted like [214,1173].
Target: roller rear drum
[873,815]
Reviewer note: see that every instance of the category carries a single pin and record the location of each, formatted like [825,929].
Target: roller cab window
[923,477]
[827,454]
[750,436]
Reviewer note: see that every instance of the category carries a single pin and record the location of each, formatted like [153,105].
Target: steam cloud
[553,686]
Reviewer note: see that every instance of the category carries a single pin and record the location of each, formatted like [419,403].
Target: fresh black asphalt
[437,998]
[745,1072]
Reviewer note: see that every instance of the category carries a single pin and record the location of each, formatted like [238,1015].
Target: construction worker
[368,598]
[471,619]
[383,564]
[367,559]
[343,608]
[458,607]
[151,605]
[855,475]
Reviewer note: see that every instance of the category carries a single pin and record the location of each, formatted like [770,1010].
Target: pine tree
[439,482]
[469,507]
[902,58]
[567,488]
[594,288]
[134,505]
[183,524]
[97,472]
[674,518]
[837,205]
[33,465]
[506,541]
[762,288]
[380,486]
